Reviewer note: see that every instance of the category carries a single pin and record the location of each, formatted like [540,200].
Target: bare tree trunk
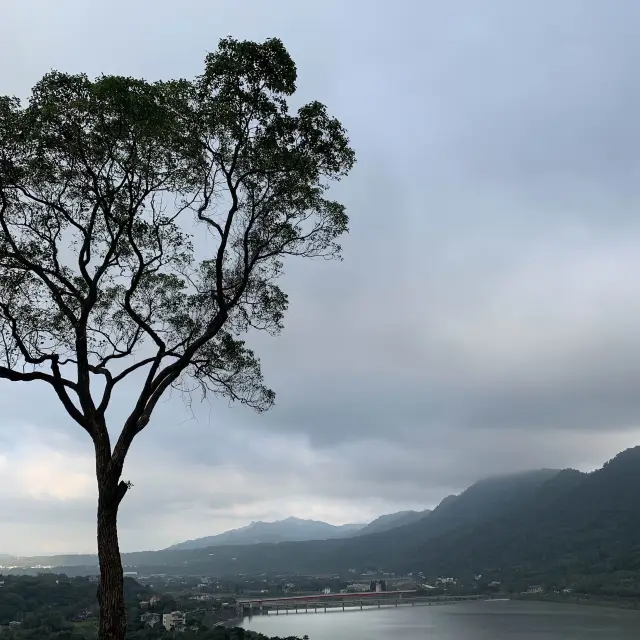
[113,623]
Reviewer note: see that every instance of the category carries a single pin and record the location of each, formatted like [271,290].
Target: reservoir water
[497,620]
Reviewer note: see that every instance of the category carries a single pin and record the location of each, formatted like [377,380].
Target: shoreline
[231,623]
[583,600]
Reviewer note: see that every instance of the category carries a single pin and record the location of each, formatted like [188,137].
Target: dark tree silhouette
[100,282]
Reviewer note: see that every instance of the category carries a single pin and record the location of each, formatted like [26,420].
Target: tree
[100,280]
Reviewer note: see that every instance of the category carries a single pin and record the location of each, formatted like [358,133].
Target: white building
[174,621]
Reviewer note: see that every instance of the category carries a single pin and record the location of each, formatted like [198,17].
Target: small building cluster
[174,621]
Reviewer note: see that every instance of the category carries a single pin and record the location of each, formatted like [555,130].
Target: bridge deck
[326,596]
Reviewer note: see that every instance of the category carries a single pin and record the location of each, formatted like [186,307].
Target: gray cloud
[485,316]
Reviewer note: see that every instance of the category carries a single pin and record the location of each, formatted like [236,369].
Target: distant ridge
[392,521]
[561,529]
[288,530]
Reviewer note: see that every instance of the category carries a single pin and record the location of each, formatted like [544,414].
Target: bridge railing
[379,599]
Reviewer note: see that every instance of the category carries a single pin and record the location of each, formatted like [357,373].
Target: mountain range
[298,530]
[550,526]
[288,530]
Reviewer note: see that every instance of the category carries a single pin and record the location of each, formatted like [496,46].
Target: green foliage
[152,220]
[52,607]
[26,597]
[55,606]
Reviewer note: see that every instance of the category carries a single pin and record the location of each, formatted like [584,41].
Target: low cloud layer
[485,318]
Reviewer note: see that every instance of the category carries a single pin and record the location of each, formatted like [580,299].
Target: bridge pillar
[306,608]
[396,602]
[360,605]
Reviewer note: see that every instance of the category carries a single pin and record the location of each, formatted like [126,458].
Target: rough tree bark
[111,491]
[111,589]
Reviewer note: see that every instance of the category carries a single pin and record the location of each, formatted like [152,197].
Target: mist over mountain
[246,549]
[555,527]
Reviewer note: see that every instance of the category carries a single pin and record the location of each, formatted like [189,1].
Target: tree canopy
[143,229]
[152,219]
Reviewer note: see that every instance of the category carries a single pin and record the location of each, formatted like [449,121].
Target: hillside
[392,521]
[549,527]
[577,527]
[545,525]
[395,549]
[288,530]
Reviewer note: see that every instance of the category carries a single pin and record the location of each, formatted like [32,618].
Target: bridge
[322,602]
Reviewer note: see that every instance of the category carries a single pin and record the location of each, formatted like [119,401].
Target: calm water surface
[464,621]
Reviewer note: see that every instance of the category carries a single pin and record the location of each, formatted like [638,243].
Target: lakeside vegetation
[47,607]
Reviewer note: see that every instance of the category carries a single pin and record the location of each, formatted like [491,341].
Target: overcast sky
[486,317]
